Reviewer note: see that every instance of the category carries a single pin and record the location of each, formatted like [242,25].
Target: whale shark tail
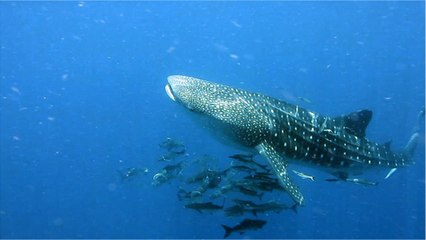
[412,143]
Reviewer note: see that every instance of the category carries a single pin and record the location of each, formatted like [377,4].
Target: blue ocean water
[82,97]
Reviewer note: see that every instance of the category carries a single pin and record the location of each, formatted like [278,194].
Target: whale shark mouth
[174,83]
[170,92]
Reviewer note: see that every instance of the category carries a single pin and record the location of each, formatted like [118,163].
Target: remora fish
[247,159]
[129,173]
[304,176]
[270,206]
[203,206]
[172,145]
[246,224]
[284,132]
[167,173]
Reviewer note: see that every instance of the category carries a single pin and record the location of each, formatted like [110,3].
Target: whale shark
[285,133]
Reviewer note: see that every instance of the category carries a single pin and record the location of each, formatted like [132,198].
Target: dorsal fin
[387,144]
[356,122]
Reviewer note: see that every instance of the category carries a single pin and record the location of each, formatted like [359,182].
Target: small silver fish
[304,176]
[390,173]
[304,100]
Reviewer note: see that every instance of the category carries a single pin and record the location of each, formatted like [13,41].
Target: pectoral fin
[280,168]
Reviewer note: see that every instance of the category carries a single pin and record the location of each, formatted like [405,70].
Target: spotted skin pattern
[283,132]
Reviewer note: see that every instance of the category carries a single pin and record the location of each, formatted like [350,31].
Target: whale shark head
[205,98]
[187,91]
[233,110]
[198,95]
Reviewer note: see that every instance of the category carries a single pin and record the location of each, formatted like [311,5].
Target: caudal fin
[228,231]
[412,143]
[294,207]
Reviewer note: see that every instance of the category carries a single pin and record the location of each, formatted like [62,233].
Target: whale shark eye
[193,109]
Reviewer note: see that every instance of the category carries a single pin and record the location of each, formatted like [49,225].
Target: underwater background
[82,101]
